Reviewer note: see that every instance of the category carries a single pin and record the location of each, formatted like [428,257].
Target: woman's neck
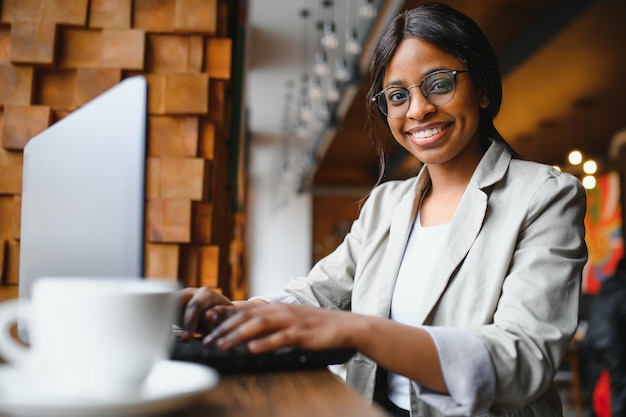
[448,183]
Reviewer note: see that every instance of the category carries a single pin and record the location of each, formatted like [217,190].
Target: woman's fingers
[198,303]
[278,325]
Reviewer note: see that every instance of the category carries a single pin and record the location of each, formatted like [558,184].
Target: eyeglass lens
[437,88]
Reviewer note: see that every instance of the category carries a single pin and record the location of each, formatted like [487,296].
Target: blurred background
[311,157]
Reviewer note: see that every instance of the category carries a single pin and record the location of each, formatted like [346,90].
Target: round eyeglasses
[438,88]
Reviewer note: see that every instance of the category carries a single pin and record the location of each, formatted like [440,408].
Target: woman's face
[443,134]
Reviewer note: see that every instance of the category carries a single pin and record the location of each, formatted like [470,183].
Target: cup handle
[10,349]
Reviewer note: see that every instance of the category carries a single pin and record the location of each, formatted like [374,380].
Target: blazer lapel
[466,224]
[401,225]
[463,231]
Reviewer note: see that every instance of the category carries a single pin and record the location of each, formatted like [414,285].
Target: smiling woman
[468,274]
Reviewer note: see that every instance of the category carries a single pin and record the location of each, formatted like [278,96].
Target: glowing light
[589,181]
[329,39]
[321,64]
[590,167]
[367,10]
[575,157]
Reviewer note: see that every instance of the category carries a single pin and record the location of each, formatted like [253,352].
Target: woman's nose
[419,107]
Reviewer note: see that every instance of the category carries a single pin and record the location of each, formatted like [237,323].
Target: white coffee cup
[94,338]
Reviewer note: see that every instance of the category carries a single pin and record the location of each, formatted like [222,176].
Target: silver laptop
[83,191]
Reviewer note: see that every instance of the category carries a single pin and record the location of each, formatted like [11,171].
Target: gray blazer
[510,273]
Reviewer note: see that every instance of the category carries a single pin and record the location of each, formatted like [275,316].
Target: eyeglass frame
[452,73]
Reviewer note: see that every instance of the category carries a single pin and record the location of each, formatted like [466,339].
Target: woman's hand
[203,310]
[276,325]
[272,326]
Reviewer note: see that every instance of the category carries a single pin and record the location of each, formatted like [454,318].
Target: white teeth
[427,133]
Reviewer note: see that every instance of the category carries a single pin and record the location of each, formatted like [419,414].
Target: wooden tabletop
[315,393]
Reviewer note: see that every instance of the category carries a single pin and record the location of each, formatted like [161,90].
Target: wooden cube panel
[22,10]
[172,136]
[209,266]
[68,12]
[219,57]
[16,223]
[168,220]
[156,93]
[8,292]
[154,15]
[32,41]
[5,42]
[167,53]
[6,216]
[110,14]
[182,178]
[207,139]
[195,16]
[123,48]
[91,82]
[16,84]
[217,101]
[196,54]
[186,93]
[11,262]
[190,136]
[153,177]
[57,89]
[203,222]
[162,260]
[80,48]
[21,123]
[189,265]
[3,257]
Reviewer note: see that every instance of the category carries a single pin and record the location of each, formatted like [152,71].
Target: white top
[420,255]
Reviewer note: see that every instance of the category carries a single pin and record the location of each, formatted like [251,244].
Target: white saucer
[171,385]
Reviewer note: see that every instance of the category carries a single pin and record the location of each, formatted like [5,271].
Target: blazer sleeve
[537,312]
[331,282]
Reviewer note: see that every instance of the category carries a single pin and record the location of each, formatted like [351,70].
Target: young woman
[459,287]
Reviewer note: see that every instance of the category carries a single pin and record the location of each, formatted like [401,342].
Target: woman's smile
[423,136]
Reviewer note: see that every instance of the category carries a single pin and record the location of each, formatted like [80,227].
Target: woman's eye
[441,86]
[397,96]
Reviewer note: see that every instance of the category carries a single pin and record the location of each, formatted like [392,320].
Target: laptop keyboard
[240,360]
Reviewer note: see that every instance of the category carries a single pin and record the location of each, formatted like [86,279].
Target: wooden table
[316,393]
[311,393]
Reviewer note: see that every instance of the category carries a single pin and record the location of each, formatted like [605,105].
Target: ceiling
[563,84]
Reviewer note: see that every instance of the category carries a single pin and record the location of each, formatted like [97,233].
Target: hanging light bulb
[329,38]
[302,130]
[315,88]
[341,70]
[306,113]
[352,43]
[321,65]
[333,95]
[367,10]
[323,111]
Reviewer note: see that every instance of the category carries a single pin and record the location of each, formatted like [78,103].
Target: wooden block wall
[56,55]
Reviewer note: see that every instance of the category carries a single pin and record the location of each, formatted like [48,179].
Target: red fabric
[602,396]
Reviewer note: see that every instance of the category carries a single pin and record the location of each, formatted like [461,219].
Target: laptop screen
[83,191]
